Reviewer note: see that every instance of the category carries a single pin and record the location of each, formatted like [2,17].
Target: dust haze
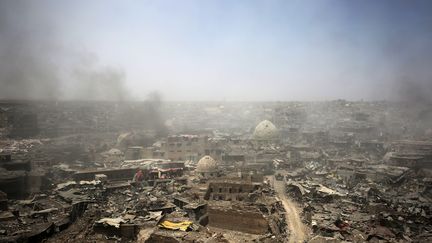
[54,51]
[37,63]
[215,121]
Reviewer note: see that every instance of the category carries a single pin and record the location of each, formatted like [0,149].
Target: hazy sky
[238,50]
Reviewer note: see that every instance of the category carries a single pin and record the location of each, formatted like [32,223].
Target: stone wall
[246,221]
[230,191]
[112,174]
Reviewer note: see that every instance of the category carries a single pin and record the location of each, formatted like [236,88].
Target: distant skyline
[217,50]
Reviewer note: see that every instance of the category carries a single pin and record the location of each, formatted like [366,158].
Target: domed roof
[122,137]
[265,130]
[206,164]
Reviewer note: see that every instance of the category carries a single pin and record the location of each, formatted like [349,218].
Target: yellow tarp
[183,226]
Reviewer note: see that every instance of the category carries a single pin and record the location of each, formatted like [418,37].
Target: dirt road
[295,226]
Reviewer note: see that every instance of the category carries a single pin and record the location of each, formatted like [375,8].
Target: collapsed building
[412,154]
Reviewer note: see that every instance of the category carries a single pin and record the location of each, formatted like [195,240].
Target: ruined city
[215,121]
[336,171]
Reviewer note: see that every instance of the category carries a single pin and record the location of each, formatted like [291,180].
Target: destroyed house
[167,169]
[416,154]
[134,153]
[230,190]
[9,163]
[184,147]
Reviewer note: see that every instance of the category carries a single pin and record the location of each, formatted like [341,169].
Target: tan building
[191,147]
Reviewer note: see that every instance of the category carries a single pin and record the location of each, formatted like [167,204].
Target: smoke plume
[37,64]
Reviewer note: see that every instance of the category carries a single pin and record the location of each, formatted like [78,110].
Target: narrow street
[297,231]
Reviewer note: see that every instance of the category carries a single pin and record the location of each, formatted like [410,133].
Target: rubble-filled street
[335,171]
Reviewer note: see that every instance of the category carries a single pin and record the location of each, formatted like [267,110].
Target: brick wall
[252,222]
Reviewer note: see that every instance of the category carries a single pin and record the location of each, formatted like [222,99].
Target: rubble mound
[265,130]
[207,164]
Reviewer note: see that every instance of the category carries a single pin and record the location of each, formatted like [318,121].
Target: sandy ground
[297,230]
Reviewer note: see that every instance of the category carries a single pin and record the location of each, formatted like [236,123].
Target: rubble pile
[332,209]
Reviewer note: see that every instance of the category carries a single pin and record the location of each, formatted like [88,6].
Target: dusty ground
[297,230]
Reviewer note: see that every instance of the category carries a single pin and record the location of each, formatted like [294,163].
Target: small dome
[265,130]
[113,151]
[122,137]
[207,164]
